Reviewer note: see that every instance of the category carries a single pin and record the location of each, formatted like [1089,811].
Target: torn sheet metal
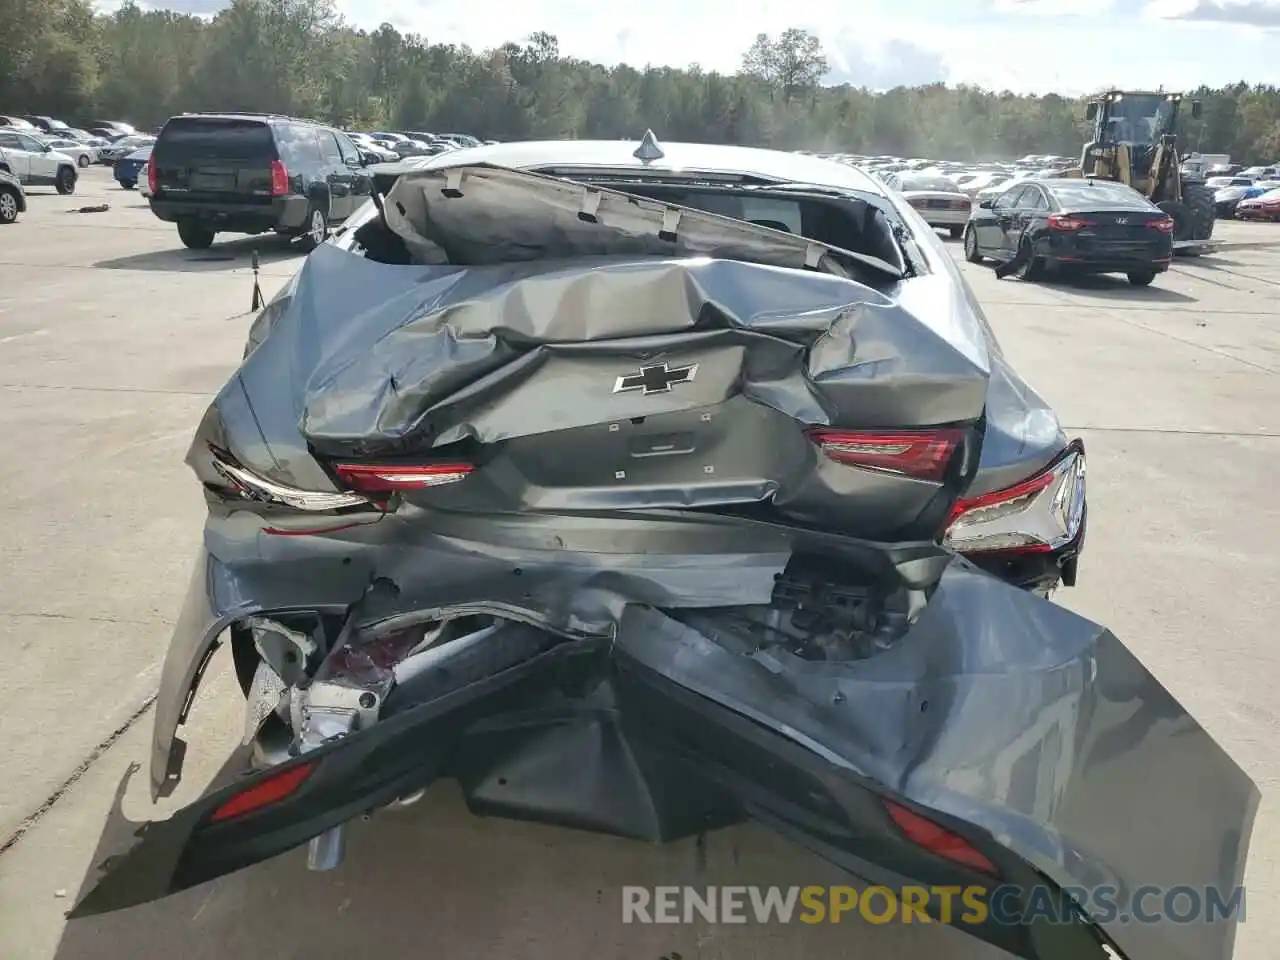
[1032,729]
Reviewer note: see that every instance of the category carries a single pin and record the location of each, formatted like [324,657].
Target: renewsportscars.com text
[919,904]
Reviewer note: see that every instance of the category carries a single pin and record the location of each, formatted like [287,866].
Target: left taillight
[375,478]
[923,454]
[152,177]
[1066,223]
[249,485]
[1041,514]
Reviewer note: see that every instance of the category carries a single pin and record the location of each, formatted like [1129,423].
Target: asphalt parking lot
[113,339]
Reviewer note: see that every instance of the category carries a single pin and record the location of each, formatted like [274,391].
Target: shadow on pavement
[229,255]
[1105,287]
[431,880]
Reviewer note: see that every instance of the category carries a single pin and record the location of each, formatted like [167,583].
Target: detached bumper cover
[1032,730]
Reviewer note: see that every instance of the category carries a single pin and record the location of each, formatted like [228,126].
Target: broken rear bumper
[1027,730]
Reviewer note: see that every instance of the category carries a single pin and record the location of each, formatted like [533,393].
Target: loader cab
[1135,140]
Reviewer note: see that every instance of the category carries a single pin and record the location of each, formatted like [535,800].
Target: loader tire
[1198,201]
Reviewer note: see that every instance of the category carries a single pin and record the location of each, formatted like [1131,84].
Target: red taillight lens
[1067,223]
[392,478]
[1164,225]
[923,454]
[1038,515]
[152,179]
[926,834]
[264,793]
[279,179]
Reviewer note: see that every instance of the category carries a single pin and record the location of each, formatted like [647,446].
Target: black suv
[241,173]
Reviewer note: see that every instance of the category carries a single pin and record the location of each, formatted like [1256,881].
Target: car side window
[1032,198]
[29,143]
[347,148]
[11,141]
[297,145]
[329,148]
[1006,201]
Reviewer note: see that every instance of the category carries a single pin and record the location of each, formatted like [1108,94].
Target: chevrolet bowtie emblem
[655,378]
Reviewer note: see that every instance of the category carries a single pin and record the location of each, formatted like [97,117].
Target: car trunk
[1126,233]
[620,370]
[215,160]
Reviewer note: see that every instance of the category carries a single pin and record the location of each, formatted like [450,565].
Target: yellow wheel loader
[1135,141]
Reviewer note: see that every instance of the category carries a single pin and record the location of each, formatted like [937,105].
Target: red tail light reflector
[1038,515]
[152,177]
[1164,225]
[938,840]
[393,478]
[279,179]
[264,793]
[923,454]
[1067,223]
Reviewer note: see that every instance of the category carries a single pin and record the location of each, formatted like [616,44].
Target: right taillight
[152,178]
[1164,225]
[1042,513]
[279,179]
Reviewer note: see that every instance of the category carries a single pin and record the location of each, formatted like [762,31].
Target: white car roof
[778,165]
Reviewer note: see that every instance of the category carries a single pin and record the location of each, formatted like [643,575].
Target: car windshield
[1080,194]
[944,184]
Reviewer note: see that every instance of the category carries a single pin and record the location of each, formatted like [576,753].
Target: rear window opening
[223,138]
[843,222]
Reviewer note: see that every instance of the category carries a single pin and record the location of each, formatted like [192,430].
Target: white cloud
[1054,8]
[1246,13]
[1087,43]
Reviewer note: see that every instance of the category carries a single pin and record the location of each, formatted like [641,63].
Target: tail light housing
[249,485]
[1164,225]
[279,179]
[923,454]
[372,478]
[1066,223]
[152,177]
[1039,515]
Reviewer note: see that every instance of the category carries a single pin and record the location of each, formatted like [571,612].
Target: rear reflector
[923,454]
[393,478]
[927,835]
[1038,515]
[264,793]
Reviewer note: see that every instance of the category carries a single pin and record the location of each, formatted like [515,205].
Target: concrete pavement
[112,340]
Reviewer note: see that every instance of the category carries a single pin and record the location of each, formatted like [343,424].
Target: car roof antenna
[649,148]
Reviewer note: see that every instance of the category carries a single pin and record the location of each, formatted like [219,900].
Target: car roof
[678,158]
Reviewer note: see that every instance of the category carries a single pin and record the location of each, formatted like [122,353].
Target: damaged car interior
[647,500]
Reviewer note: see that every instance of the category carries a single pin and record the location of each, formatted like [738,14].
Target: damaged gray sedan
[649,489]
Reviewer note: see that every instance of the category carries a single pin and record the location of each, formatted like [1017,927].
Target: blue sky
[1067,46]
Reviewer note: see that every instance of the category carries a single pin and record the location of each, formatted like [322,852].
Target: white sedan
[83,153]
[937,199]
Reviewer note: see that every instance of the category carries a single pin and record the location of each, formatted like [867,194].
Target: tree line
[299,57]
